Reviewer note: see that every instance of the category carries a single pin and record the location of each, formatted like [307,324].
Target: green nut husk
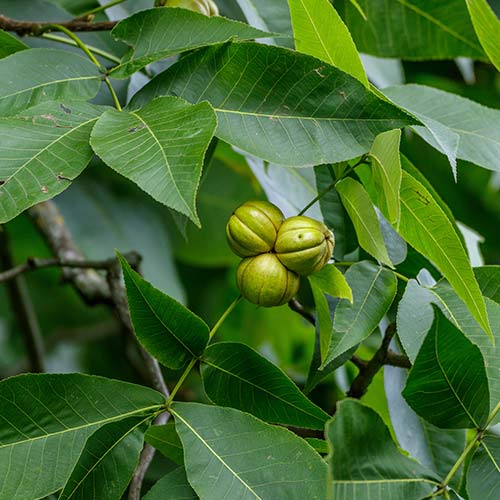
[206,7]
[253,227]
[265,281]
[304,245]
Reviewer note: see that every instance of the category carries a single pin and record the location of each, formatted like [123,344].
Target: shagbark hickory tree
[350,135]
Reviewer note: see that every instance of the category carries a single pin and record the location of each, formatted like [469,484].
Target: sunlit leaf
[386,168]
[487,27]
[426,227]
[320,32]
[332,282]
[362,213]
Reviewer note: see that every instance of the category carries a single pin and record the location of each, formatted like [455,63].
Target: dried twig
[94,288]
[34,263]
[391,358]
[365,376]
[23,309]
[35,28]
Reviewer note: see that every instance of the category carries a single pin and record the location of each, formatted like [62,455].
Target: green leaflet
[34,151]
[320,32]
[426,227]
[34,441]
[31,76]
[282,106]
[159,147]
[158,33]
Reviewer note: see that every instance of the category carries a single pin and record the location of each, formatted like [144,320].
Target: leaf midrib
[378,481]
[215,454]
[299,117]
[439,24]
[46,148]
[134,279]
[48,84]
[442,252]
[445,376]
[263,390]
[86,426]
[167,163]
[97,463]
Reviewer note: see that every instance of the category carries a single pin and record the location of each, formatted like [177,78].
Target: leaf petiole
[193,361]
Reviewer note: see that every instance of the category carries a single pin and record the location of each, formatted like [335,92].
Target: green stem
[181,380]
[401,276]
[212,332]
[493,414]
[317,198]
[101,8]
[225,314]
[460,459]
[77,41]
[345,263]
[91,56]
[363,159]
[470,446]
[95,50]
[113,93]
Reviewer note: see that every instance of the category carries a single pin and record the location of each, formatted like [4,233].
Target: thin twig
[297,307]
[399,360]
[72,36]
[94,288]
[391,358]
[90,285]
[95,50]
[101,8]
[119,297]
[365,376]
[33,264]
[147,455]
[34,28]
[83,46]
[23,309]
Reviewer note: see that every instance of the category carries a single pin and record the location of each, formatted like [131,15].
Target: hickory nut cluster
[275,251]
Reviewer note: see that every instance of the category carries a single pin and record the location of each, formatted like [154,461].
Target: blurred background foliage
[104,212]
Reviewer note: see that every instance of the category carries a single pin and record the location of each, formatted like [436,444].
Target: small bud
[304,245]
[264,281]
[253,227]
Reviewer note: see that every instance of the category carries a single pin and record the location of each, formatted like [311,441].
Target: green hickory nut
[304,245]
[253,227]
[206,7]
[265,281]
